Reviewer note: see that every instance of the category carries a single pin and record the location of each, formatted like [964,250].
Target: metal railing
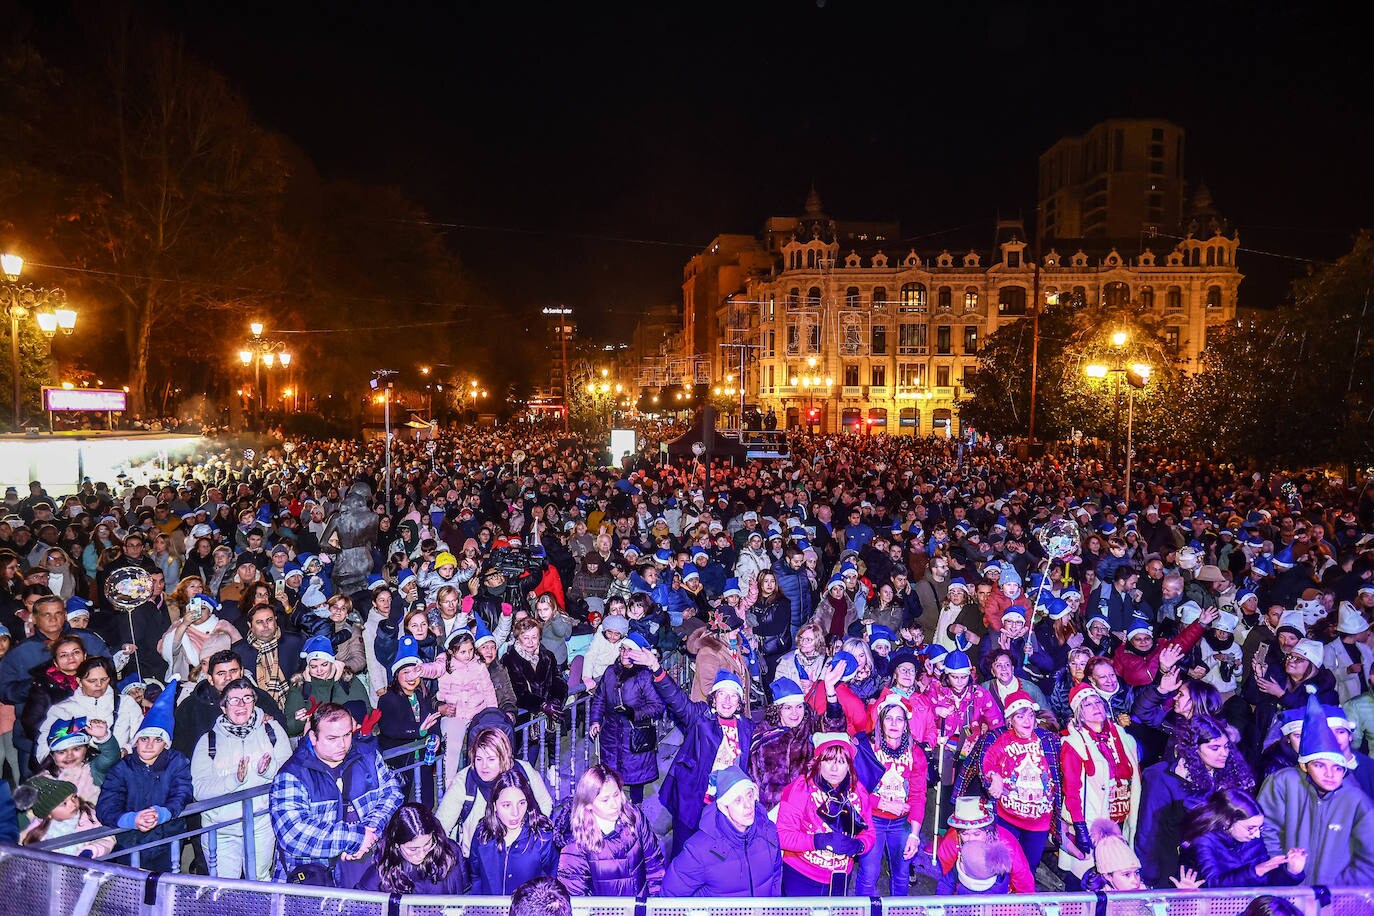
[44,883]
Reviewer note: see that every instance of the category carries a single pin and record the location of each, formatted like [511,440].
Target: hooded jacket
[720,860]
[1336,828]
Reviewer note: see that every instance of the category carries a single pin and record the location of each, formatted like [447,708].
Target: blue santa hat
[1318,741]
[787,692]
[803,544]
[375,582]
[879,634]
[731,588]
[1057,608]
[209,603]
[699,553]
[158,720]
[663,557]
[1068,590]
[305,559]
[957,662]
[481,633]
[407,653]
[835,580]
[639,639]
[848,567]
[316,648]
[728,680]
[404,576]
[78,607]
[1284,558]
[292,568]
[849,665]
[1139,625]
[691,572]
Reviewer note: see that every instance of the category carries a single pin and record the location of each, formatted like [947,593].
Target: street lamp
[1137,376]
[262,351]
[48,306]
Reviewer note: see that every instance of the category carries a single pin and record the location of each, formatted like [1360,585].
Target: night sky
[670,123]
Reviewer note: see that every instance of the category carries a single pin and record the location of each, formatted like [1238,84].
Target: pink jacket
[467,685]
[799,822]
[85,821]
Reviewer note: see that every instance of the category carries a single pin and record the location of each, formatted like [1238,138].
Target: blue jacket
[9,818]
[314,822]
[1226,862]
[796,585]
[19,662]
[132,785]
[683,792]
[495,871]
[720,861]
[632,690]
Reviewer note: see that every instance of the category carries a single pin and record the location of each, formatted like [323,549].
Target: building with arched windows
[871,335]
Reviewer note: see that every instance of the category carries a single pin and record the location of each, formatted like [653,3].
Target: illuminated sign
[84,399]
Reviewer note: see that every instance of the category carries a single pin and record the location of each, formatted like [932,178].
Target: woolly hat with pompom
[1111,852]
[981,863]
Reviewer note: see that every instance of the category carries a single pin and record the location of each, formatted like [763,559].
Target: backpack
[211,742]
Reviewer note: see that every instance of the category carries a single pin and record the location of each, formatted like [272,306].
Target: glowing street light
[246,357]
[256,328]
[1119,338]
[12,266]
[1095,370]
[285,359]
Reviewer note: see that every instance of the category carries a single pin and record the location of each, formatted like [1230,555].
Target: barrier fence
[46,883]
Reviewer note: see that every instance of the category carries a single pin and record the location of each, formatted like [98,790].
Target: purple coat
[631,689]
[720,861]
[684,788]
[628,864]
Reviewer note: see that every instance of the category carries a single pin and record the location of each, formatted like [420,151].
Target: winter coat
[505,691]
[132,785]
[121,713]
[465,789]
[85,820]
[45,692]
[1138,668]
[799,822]
[303,693]
[790,666]
[1223,861]
[754,858]
[496,871]
[826,611]
[1336,830]
[601,654]
[688,780]
[215,776]
[628,864]
[466,685]
[449,885]
[773,630]
[712,655]
[181,655]
[633,692]
[289,647]
[1089,782]
[1165,798]
[554,637]
[796,585]
[1336,659]
[317,817]
[535,685]
[780,754]
[16,668]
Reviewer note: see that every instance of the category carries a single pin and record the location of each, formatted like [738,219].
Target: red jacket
[1138,670]
[855,713]
[1022,878]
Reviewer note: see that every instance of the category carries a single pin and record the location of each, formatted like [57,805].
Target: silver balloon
[288,447]
[249,454]
[128,587]
[698,449]
[517,456]
[1061,538]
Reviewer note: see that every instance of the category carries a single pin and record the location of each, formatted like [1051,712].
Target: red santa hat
[1018,700]
[1080,693]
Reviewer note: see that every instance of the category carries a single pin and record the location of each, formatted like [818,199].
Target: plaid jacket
[308,810]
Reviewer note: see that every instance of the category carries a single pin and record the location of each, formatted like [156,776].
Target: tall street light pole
[1136,376]
[48,306]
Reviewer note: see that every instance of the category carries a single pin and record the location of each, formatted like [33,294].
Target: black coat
[44,693]
[196,714]
[535,685]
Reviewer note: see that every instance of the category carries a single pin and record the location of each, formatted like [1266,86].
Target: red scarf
[69,681]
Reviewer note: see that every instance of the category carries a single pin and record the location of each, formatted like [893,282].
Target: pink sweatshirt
[467,685]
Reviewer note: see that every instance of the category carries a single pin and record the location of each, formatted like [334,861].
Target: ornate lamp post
[1137,375]
[259,351]
[48,307]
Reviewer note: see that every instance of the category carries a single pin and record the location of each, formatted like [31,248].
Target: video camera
[512,562]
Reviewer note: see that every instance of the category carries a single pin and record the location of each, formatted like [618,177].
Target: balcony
[912,351]
[786,391]
[852,391]
[943,392]
[879,391]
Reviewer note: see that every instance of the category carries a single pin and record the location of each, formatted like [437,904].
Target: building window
[911,339]
[1116,295]
[1014,257]
[1214,297]
[970,338]
[1171,339]
[970,300]
[811,258]
[813,338]
[910,418]
[813,297]
[771,307]
[793,297]
[879,297]
[942,376]
[913,297]
[1011,300]
[944,299]
[771,377]
[1147,297]
[911,375]
[851,297]
[772,343]
[944,344]
[1173,298]
[851,374]
[879,340]
[877,375]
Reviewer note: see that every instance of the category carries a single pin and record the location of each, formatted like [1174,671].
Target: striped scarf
[269,675]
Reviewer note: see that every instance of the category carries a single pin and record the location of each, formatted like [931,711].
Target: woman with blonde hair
[490,754]
[347,635]
[186,589]
[803,665]
[613,850]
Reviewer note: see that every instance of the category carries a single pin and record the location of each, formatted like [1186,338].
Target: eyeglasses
[240,701]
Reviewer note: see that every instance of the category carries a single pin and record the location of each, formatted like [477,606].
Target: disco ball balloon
[698,449]
[1060,538]
[128,587]
[288,447]
[517,456]
[249,454]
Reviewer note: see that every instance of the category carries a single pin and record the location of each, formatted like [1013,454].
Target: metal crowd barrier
[45,883]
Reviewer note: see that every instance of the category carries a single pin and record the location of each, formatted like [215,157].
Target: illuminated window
[913,297]
[942,376]
[877,375]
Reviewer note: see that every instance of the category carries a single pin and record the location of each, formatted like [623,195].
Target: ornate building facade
[854,334]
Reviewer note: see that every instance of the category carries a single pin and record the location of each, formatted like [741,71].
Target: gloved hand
[1081,838]
[839,843]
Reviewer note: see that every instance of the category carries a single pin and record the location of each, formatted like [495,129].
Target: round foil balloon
[128,587]
[1060,538]
[249,454]
[288,447]
[517,456]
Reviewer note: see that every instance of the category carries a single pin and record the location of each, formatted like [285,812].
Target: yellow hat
[445,559]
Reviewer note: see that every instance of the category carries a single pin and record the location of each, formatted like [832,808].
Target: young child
[57,812]
[465,689]
[983,867]
[149,788]
[75,757]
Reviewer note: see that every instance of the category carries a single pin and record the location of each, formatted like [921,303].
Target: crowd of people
[878,656]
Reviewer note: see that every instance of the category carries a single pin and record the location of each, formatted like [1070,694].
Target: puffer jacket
[628,864]
[754,857]
[132,785]
[796,585]
[633,690]
[496,871]
[1223,861]
[218,775]
[116,710]
[466,685]
[1138,669]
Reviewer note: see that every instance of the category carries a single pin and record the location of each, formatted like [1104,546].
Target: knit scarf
[69,681]
[269,674]
[240,732]
[888,756]
[532,658]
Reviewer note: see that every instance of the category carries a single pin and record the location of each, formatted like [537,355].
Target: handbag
[643,736]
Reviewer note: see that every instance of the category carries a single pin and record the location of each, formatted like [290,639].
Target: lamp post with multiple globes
[259,352]
[1137,375]
[48,306]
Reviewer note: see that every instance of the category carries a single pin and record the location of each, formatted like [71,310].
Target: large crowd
[872,655]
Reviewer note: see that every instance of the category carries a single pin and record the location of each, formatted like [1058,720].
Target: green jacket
[303,693]
[1336,830]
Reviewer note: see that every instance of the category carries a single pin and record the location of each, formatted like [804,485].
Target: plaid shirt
[312,830]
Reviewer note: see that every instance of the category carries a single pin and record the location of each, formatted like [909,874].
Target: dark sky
[673,122]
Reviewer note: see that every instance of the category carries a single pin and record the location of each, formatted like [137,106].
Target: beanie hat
[158,720]
[728,680]
[787,692]
[903,657]
[316,648]
[1111,852]
[730,782]
[407,653]
[42,794]
[981,863]
[617,622]
[445,559]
